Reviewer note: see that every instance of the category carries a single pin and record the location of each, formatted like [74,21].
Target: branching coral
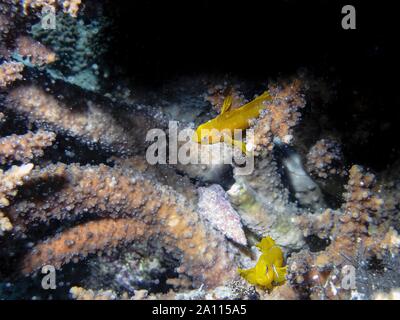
[25,147]
[79,241]
[114,192]
[86,120]
[9,72]
[361,203]
[279,117]
[127,203]
[9,181]
[353,231]
[217,93]
[261,198]
[79,293]
[18,148]
[69,6]
[325,159]
[5,224]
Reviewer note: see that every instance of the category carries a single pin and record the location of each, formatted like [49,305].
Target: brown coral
[279,117]
[352,231]
[10,180]
[216,95]
[5,224]
[361,202]
[79,293]
[37,53]
[24,147]
[84,239]
[325,159]
[261,199]
[9,72]
[86,120]
[116,193]
[69,6]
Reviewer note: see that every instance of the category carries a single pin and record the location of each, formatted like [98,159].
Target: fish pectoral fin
[227,104]
[279,274]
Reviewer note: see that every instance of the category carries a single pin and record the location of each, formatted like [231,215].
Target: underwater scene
[199,150]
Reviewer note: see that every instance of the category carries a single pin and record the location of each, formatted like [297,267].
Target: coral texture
[359,231]
[9,72]
[280,116]
[79,293]
[116,193]
[24,147]
[216,95]
[69,6]
[325,159]
[89,122]
[9,182]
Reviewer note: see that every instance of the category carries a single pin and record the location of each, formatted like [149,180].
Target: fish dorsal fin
[227,104]
[265,96]
[265,244]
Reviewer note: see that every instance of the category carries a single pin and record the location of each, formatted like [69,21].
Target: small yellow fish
[221,128]
[269,270]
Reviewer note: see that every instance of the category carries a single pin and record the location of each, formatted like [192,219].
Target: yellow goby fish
[269,270]
[222,127]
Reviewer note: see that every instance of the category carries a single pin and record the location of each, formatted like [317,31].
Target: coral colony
[78,190]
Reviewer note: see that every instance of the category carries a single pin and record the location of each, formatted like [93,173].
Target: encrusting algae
[269,270]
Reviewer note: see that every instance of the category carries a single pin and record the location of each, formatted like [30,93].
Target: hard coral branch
[360,228]
[24,147]
[9,72]
[9,182]
[361,201]
[69,6]
[261,198]
[279,117]
[117,193]
[85,120]
[325,159]
[81,240]
[5,224]
[79,293]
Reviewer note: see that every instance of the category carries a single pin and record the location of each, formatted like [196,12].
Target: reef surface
[78,193]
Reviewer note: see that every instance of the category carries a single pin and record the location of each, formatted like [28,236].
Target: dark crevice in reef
[317,244]
[68,150]
[357,64]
